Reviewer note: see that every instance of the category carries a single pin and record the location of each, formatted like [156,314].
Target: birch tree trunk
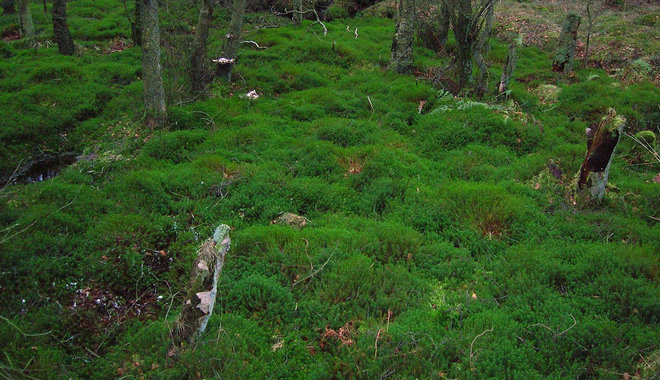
[225,64]
[595,170]
[200,74]
[8,7]
[25,19]
[563,61]
[154,94]
[404,36]
[61,29]
[202,287]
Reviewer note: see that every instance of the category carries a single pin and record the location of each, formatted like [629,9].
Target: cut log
[202,288]
[594,172]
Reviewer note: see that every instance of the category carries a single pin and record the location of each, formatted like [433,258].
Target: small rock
[291,220]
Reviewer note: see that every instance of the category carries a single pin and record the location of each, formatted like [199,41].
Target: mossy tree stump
[595,170]
[202,288]
[563,61]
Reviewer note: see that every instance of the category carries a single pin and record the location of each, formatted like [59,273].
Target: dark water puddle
[42,168]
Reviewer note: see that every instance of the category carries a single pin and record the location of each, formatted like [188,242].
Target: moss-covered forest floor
[441,238]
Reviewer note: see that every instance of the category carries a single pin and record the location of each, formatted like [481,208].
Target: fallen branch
[472,353]
[202,288]
[254,43]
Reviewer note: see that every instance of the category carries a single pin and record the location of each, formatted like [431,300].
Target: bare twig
[472,353]
[254,43]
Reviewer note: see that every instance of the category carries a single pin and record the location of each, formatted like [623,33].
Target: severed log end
[202,287]
[601,144]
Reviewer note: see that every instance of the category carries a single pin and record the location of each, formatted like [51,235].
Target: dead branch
[472,353]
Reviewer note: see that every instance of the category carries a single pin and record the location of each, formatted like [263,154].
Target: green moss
[439,240]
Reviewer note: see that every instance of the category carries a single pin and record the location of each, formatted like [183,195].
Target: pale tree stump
[202,288]
[595,170]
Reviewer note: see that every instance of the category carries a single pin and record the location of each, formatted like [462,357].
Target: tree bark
[202,287]
[481,50]
[61,29]
[601,143]
[404,36]
[8,7]
[136,25]
[154,94]
[563,61]
[507,70]
[25,19]
[225,64]
[432,24]
[200,75]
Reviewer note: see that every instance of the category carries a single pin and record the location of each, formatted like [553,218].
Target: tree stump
[202,288]
[563,61]
[595,170]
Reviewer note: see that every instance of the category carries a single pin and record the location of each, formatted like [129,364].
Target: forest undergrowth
[441,239]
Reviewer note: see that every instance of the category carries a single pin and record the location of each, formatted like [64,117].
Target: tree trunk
[589,25]
[25,19]
[432,22]
[154,95]
[601,143]
[61,29]
[225,64]
[563,61]
[202,287]
[481,50]
[136,25]
[465,40]
[507,70]
[8,7]
[297,11]
[200,75]
[404,36]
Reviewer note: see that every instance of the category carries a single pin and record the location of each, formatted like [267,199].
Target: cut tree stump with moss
[601,143]
[563,61]
[202,288]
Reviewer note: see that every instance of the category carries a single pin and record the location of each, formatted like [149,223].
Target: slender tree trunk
[563,61]
[154,95]
[298,9]
[200,74]
[589,25]
[225,64]
[61,29]
[202,287]
[432,26]
[25,19]
[8,7]
[404,36]
[136,25]
[443,31]
[601,143]
[507,70]
[482,49]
